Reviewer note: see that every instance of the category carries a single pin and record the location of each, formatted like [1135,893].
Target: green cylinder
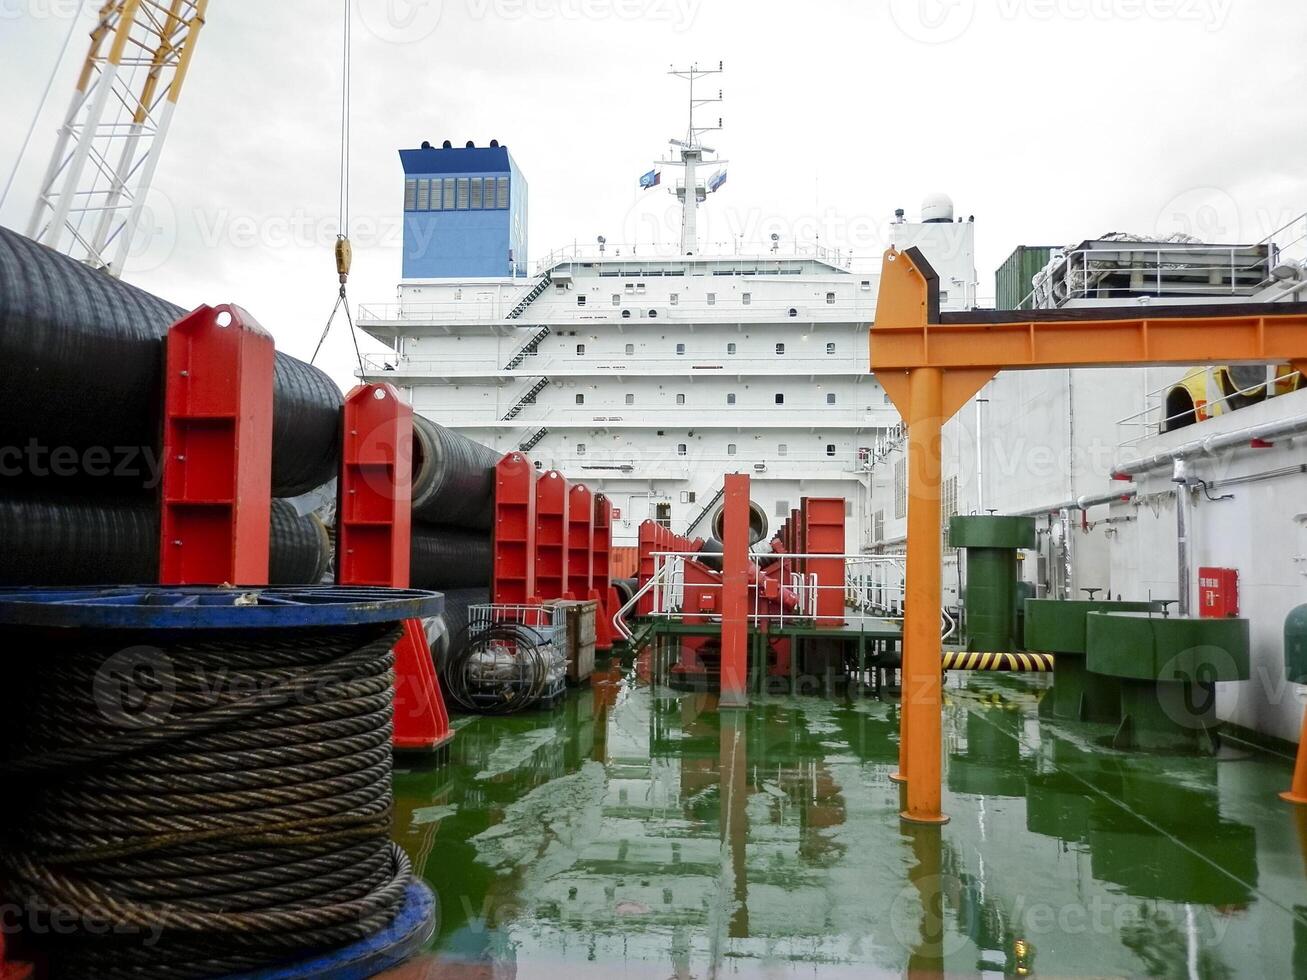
[992,544]
[1295,645]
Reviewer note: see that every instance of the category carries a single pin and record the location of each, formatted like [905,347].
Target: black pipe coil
[447,633]
[453,477]
[81,365]
[80,541]
[500,669]
[626,588]
[449,558]
[220,804]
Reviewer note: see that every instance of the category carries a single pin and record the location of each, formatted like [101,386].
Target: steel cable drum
[449,558]
[71,541]
[453,477]
[81,365]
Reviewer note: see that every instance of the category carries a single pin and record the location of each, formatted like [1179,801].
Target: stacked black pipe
[453,513]
[81,366]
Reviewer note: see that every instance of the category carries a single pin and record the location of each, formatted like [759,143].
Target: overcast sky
[1051,121]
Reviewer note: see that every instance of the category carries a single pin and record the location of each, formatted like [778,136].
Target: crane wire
[45,96]
[343,251]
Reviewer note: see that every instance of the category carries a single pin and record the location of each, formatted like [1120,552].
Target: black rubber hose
[81,366]
[447,632]
[449,558]
[71,541]
[222,804]
[453,477]
[626,588]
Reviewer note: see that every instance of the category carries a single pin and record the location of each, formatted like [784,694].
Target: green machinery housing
[993,592]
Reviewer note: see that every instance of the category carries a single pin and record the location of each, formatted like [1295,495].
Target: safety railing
[764,252]
[605,363]
[1154,418]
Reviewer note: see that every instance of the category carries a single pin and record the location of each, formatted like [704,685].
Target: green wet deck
[642,833]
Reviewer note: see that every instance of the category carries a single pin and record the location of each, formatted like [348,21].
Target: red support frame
[373,536]
[823,534]
[580,542]
[600,575]
[514,578]
[217,450]
[735,592]
[551,563]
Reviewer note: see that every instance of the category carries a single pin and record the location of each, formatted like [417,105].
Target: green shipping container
[1012,281]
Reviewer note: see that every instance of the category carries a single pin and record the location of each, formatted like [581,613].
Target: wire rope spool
[453,477]
[225,792]
[81,363]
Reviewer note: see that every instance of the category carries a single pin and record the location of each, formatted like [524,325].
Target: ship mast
[691,191]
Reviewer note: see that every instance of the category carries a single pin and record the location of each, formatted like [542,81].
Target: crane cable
[344,252]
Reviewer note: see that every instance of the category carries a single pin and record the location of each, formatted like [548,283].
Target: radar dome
[936,208]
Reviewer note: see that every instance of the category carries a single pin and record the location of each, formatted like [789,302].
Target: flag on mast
[716,180]
[652,179]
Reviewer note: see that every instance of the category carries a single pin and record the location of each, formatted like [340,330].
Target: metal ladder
[531,443]
[530,297]
[721,492]
[527,349]
[527,399]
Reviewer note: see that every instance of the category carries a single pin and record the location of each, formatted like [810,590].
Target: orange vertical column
[920,726]
[735,592]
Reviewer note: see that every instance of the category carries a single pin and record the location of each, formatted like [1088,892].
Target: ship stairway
[689,528]
[531,443]
[528,398]
[527,349]
[530,297]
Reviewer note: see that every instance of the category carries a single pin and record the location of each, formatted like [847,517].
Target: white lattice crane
[94,188]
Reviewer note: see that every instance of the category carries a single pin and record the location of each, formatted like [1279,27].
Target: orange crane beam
[931,363]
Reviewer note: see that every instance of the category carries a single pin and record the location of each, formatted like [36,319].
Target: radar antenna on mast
[691,191]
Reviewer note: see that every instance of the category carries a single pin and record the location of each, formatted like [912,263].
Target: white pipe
[1213,444]
[1183,575]
[1125,492]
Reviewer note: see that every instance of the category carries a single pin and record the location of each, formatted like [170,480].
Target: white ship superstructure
[645,372]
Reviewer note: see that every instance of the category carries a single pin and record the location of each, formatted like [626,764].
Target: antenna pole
[692,154]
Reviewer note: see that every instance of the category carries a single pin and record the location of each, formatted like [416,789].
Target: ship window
[410,194]
[780,398]
[580,399]
[680,399]
[793,311]
[746,299]
[943,295]
[617,299]
[639,287]
[626,314]
[449,193]
[830,449]
[501,192]
[830,348]
[830,398]
[630,398]
[680,348]
[681,449]
[580,448]
[463,192]
[730,449]
[866,285]
[630,348]
[476,193]
[653,314]
[712,299]
[580,299]
[676,299]
[630,288]
[782,450]
[830,299]
[730,398]
[782,508]
[730,348]
[436,193]
[580,349]
[780,348]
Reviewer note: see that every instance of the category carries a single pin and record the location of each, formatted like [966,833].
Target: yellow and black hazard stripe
[1017,663]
